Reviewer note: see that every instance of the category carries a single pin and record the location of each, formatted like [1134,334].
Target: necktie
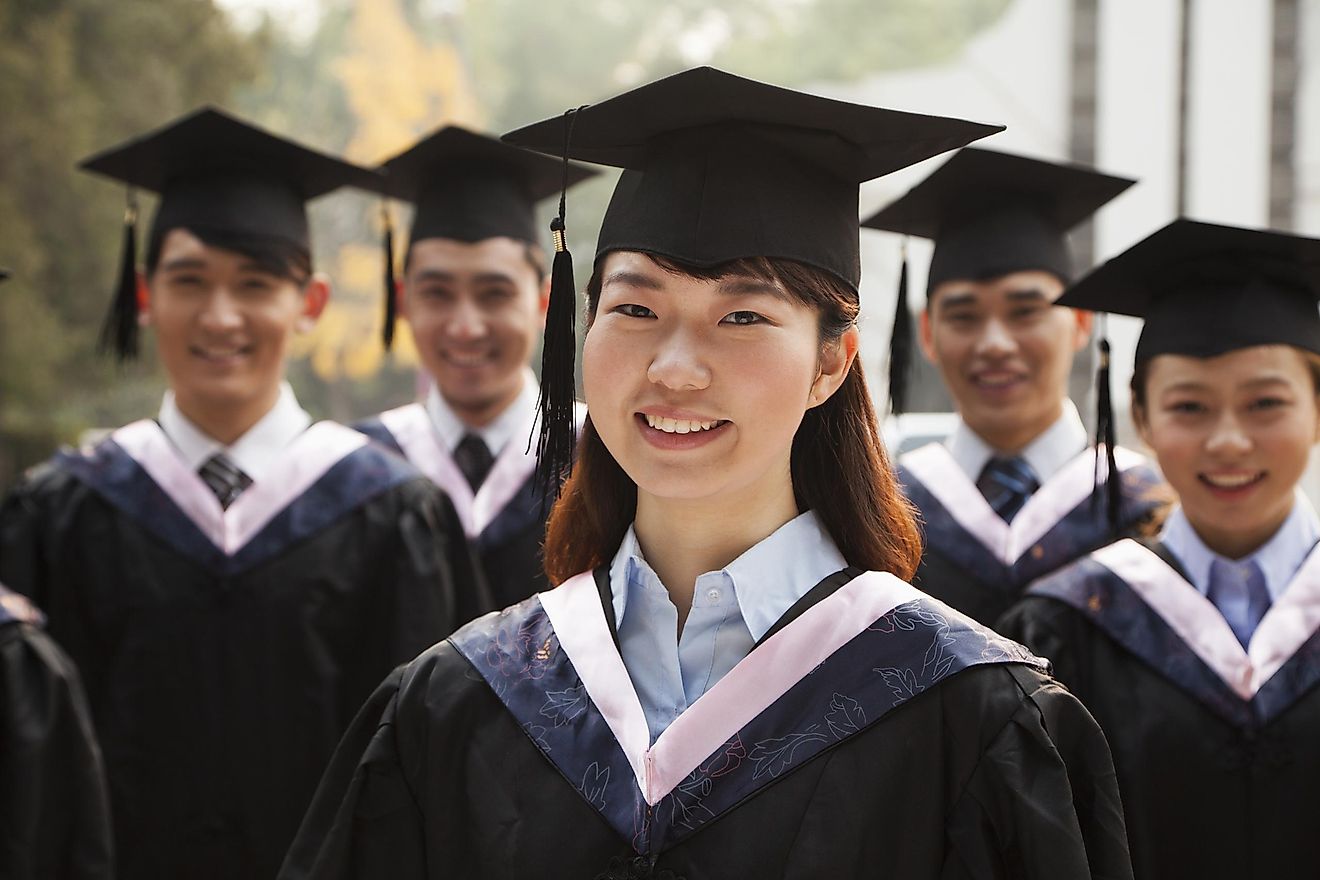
[1238,590]
[224,478]
[1007,483]
[473,458]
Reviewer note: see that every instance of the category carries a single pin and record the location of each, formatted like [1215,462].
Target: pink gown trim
[761,678]
[1056,498]
[303,462]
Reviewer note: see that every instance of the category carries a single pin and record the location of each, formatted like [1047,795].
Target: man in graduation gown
[867,731]
[1212,712]
[231,578]
[54,808]
[474,292]
[1010,495]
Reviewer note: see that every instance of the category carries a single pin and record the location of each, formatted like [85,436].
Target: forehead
[182,246]
[636,269]
[1258,363]
[1002,289]
[490,256]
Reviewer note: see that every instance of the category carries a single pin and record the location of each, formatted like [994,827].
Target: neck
[683,539]
[226,423]
[482,413]
[1239,543]
[1011,439]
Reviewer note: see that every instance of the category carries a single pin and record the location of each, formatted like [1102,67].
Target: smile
[681,426]
[220,355]
[1231,482]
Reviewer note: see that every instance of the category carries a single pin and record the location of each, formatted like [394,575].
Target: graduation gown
[505,519]
[1215,746]
[872,732]
[225,652]
[54,811]
[978,563]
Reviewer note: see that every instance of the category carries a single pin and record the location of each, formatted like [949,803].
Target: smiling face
[1232,434]
[476,311]
[223,325]
[1004,352]
[697,386]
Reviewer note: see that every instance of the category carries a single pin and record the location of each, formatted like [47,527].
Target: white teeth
[1234,482]
[679,426]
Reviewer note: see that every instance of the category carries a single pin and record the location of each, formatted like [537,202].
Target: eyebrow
[632,279]
[746,286]
[480,278]
[1028,294]
[1196,385]
[179,263]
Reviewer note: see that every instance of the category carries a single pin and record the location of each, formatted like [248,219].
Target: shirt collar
[255,452]
[767,579]
[1279,558]
[1046,454]
[502,429]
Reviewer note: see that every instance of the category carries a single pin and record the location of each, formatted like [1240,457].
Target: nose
[1227,438]
[466,322]
[222,312]
[679,363]
[995,340]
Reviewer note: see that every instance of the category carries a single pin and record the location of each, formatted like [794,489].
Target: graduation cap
[468,187]
[989,214]
[4,274]
[217,173]
[1203,290]
[718,167]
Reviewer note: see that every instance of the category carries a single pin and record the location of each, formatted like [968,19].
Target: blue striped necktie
[1007,483]
[1239,591]
[224,478]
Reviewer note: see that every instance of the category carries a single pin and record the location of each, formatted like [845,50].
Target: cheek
[609,363]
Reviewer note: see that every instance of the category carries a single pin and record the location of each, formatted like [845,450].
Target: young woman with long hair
[732,677]
[1197,649]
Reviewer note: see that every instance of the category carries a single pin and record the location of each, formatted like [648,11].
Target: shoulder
[51,484]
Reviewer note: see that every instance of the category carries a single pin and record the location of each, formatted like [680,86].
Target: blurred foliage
[369,78]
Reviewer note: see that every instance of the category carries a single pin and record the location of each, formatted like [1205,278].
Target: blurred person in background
[231,579]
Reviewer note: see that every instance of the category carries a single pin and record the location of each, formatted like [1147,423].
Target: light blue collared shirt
[1279,558]
[1054,447]
[732,609]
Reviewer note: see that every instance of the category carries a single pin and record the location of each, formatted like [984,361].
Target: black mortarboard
[990,214]
[469,187]
[1204,290]
[215,172]
[718,167]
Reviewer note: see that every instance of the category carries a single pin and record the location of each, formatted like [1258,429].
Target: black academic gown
[1216,749]
[224,653]
[872,733]
[505,519]
[978,563]
[54,808]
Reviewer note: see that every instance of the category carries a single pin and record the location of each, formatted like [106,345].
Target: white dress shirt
[254,453]
[502,430]
[1053,448]
[732,609]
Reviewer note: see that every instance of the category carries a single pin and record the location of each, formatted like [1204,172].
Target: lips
[997,380]
[467,359]
[681,426]
[220,354]
[676,430]
[1232,482]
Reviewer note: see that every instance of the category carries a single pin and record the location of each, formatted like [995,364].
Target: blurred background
[1211,103]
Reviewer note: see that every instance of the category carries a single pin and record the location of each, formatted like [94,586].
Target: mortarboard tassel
[1104,436]
[554,445]
[900,344]
[391,293]
[119,333]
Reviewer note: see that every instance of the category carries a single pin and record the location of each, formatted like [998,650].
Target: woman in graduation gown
[1198,650]
[732,678]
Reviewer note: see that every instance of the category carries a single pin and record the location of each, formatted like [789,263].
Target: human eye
[1185,407]
[743,318]
[1026,312]
[1267,402]
[632,310]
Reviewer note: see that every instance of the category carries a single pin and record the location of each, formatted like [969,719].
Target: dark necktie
[224,478]
[473,458]
[1007,483]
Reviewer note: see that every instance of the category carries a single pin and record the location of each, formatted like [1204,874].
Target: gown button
[713,595]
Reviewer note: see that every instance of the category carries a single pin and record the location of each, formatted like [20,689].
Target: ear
[1083,321]
[543,301]
[143,300]
[836,359]
[1143,426]
[316,294]
[926,335]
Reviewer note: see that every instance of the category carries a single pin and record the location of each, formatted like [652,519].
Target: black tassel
[900,344]
[1112,491]
[119,333]
[391,293]
[558,434]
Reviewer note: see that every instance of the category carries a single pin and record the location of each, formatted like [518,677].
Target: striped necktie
[1007,483]
[224,478]
[473,458]
[1239,591]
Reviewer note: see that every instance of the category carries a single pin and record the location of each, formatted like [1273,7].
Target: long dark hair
[839,466]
